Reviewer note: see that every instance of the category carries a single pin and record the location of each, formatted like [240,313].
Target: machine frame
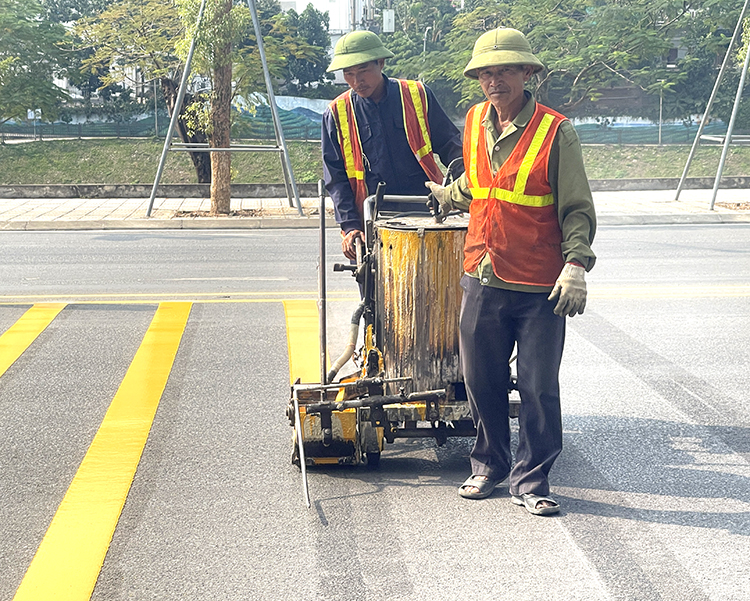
[347,422]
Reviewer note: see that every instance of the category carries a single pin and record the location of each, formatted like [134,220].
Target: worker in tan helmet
[380,130]
[528,246]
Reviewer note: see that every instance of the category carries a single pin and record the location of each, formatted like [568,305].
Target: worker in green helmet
[527,249]
[381,129]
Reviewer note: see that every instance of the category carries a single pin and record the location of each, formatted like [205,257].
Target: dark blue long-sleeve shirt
[384,143]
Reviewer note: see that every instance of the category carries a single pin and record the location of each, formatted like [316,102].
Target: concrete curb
[91,191]
[674,219]
[240,223]
[266,223]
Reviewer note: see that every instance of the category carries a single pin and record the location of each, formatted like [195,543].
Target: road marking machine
[408,382]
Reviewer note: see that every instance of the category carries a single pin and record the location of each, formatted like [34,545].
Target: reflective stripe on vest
[351,146]
[513,214]
[414,101]
[414,104]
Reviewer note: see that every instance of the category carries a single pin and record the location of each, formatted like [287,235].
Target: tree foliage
[725,102]
[668,49]
[282,44]
[588,46]
[29,58]
[308,68]
[68,11]
[131,37]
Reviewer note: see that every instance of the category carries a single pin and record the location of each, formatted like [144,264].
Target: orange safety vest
[414,103]
[513,213]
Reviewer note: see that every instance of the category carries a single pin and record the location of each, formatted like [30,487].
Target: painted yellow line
[70,556]
[159,295]
[303,340]
[21,334]
[217,301]
[688,291]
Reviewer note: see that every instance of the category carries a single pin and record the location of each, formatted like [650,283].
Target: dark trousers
[492,322]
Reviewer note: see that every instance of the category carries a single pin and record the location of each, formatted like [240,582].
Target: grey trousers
[492,322]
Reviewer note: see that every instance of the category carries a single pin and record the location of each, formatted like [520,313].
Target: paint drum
[418,299]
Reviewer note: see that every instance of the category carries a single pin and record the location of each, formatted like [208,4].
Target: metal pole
[730,129]
[322,285]
[661,111]
[156,115]
[272,101]
[301,450]
[176,111]
[715,91]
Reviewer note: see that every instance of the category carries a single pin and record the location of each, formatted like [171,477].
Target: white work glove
[442,196]
[570,287]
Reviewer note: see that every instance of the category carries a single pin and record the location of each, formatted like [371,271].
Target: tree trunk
[201,160]
[220,126]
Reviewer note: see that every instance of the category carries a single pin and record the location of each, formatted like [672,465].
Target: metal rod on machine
[420,200]
[730,128]
[176,110]
[710,104]
[322,285]
[301,450]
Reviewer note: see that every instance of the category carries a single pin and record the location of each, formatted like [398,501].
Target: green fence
[646,134]
[259,126]
[133,129]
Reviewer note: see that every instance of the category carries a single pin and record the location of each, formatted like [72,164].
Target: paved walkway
[613,208]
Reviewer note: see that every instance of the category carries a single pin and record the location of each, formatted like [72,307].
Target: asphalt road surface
[654,478]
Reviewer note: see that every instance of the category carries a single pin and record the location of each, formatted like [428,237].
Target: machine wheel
[373,460]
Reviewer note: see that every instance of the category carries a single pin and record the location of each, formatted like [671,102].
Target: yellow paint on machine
[420,269]
[303,340]
[69,559]
[303,343]
[21,334]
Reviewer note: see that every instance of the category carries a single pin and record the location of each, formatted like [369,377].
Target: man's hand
[349,246]
[571,290]
[439,200]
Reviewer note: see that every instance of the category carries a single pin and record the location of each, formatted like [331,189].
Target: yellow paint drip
[420,299]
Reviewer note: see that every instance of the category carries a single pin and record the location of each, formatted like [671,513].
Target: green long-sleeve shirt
[570,188]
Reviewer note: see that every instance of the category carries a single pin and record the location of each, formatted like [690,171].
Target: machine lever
[343,267]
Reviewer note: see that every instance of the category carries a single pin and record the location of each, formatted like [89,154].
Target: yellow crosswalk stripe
[21,334]
[69,559]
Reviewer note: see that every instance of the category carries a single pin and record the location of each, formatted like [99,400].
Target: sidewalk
[613,208]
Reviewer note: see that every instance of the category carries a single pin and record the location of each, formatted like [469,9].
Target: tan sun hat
[357,47]
[501,46]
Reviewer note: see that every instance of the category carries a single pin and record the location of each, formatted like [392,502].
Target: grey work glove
[570,291]
[439,201]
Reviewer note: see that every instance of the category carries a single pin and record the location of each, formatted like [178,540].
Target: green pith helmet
[501,46]
[357,47]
